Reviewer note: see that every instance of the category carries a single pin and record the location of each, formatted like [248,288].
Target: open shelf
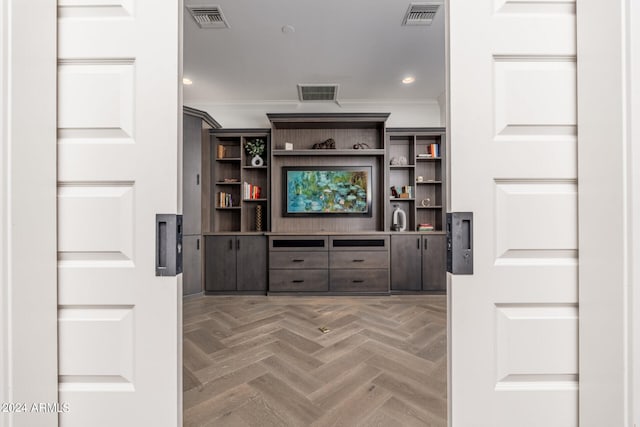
[235,163]
[324,152]
[410,143]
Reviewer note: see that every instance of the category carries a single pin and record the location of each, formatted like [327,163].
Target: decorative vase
[257,161]
[259,218]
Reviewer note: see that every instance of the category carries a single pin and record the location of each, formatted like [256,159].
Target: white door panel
[513,151]
[118,120]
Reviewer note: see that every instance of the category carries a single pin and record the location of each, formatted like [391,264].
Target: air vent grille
[318,92]
[420,14]
[208,16]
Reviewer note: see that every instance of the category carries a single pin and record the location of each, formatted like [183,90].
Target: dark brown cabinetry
[196,125]
[417,165]
[340,264]
[235,263]
[236,191]
[418,262]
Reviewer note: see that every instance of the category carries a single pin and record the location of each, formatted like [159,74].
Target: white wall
[253,115]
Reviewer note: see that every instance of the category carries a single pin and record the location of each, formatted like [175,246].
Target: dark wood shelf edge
[310,152]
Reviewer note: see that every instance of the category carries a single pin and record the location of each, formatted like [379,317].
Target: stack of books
[225,200]
[425,227]
[407,189]
[251,191]
[433,151]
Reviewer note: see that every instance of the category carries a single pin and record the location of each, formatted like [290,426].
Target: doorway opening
[295,360]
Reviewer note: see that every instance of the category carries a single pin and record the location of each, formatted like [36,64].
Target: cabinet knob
[298,260]
[358,281]
[297,281]
[358,260]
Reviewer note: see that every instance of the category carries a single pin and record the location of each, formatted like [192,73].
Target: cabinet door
[434,258]
[220,263]
[405,263]
[252,263]
[191,265]
[192,175]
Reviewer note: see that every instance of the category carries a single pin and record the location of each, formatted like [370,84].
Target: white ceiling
[359,44]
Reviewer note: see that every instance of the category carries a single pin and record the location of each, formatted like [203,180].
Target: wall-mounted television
[326,190]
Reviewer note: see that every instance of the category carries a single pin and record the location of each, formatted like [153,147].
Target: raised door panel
[191,265]
[434,263]
[192,175]
[251,263]
[406,264]
[220,263]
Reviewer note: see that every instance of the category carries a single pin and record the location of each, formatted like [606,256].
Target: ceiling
[358,44]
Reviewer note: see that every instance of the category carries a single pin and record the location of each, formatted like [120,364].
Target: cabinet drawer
[298,280]
[373,280]
[359,259]
[359,243]
[297,260]
[298,243]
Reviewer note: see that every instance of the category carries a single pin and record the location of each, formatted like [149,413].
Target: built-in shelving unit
[302,131]
[325,252]
[422,176]
[229,171]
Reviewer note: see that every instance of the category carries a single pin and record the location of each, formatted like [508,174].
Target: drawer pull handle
[297,281]
[298,260]
[358,281]
[358,260]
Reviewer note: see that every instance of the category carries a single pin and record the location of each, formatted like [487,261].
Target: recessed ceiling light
[187,81]
[408,80]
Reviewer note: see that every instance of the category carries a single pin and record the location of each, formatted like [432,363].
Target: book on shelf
[251,192]
[408,189]
[434,150]
[225,200]
[425,227]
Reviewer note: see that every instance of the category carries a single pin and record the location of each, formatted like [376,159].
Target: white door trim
[634,123]
[608,211]
[28,265]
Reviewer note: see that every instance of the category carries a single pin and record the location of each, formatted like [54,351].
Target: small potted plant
[255,148]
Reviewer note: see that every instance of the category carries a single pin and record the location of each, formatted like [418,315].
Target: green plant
[254,147]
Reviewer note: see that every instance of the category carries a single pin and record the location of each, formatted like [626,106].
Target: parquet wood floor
[262,361]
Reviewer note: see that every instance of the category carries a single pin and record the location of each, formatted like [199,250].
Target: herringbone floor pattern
[262,361]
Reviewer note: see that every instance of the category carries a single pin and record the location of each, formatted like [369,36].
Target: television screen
[338,190]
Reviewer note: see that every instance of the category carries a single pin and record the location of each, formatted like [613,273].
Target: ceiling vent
[208,16]
[318,92]
[420,13]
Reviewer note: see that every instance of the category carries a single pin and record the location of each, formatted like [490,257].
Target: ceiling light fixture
[287,29]
[408,80]
[186,81]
